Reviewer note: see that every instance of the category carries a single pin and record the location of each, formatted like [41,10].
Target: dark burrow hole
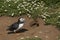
[34,24]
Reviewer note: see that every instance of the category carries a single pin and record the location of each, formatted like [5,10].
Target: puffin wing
[13,27]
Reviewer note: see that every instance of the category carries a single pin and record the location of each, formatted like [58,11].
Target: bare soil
[46,32]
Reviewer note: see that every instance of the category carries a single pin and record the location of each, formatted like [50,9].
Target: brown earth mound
[46,32]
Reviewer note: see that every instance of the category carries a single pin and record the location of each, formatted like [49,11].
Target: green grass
[51,2]
[18,7]
[53,19]
[32,39]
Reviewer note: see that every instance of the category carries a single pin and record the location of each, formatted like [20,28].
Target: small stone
[46,36]
[22,38]
[36,36]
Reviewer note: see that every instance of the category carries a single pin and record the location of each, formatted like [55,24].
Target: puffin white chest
[20,25]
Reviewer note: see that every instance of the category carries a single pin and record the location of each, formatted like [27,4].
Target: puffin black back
[13,26]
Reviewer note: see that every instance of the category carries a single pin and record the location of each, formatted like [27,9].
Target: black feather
[13,27]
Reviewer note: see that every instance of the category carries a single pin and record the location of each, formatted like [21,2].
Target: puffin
[17,25]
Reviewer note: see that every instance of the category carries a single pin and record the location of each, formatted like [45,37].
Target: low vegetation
[32,39]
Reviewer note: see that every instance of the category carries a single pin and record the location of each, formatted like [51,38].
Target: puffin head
[21,20]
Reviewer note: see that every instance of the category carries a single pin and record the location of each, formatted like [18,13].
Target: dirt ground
[46,32]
